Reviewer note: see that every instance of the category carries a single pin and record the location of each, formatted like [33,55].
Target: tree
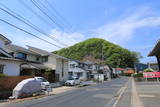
[113,54]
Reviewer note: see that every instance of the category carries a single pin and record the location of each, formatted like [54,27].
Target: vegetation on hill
[95,48]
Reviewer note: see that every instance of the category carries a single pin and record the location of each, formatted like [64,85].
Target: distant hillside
[93,48]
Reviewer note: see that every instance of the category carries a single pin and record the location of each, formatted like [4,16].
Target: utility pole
[102,60]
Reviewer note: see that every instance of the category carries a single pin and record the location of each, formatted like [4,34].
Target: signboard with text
[151,74]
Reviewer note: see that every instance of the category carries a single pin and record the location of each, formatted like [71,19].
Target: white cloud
[67,38]
[121,31]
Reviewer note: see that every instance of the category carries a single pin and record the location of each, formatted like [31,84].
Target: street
[101,95]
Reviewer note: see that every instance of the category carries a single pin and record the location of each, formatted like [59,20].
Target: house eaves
[5,53]
[156,50]
[6,40]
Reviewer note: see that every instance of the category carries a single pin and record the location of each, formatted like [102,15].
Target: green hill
[93,48]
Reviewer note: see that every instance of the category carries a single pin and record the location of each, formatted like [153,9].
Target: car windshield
[71,79]
[42,79]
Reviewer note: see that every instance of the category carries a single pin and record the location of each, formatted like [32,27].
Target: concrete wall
[62,69]
[11,68]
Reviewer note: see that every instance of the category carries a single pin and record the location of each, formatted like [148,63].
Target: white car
[44,83]
[73,81]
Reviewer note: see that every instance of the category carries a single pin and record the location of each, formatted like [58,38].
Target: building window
[11,53]
[1,69]
[80,74]
[21,55]
[89,66]
[37,58]
[45,59]
[72,66]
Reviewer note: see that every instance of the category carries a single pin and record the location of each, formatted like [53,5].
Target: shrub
[138,75]
[2,75]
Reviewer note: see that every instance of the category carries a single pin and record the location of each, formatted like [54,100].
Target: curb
[135,100]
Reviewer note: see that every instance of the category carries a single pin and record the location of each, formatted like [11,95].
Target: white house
[33,61]
[8,64]
[53,61]
[78,69]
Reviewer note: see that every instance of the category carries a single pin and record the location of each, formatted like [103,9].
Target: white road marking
[149,96]
[120,92]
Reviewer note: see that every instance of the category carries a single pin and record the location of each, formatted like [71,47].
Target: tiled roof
[20,49]
[44,53]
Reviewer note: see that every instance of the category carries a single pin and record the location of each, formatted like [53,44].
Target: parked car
[26,88]
[44,83]
[73,81]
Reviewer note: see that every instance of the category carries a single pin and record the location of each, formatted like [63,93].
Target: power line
[55,16]
[36,4]
[44,6]
[65,21]
[28,32]
[47,2]
[31,10]
[30,24]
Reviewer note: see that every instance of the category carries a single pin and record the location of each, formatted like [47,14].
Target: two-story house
[78,69]
[8,64]
[33,61]
[57,63]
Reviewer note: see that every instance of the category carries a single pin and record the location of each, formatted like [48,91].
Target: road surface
[105,94]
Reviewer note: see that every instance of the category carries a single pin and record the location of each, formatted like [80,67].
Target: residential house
[32,64]
[78,69]
[93,68]
[55,62]
[8,64]
[106,71]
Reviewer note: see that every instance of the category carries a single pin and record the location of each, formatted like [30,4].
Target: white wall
[51,63]
[56,64]
[11,68]
[62,64]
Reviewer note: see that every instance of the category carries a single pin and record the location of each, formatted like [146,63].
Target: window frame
[1,68]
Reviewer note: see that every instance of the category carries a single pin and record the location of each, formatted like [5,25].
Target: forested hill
[93,49]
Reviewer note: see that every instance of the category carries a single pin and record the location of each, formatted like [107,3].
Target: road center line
[120,92]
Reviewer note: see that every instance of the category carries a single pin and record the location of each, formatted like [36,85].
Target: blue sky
[132,24]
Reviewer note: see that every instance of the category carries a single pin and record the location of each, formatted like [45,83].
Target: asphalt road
[100,95]
[149,93]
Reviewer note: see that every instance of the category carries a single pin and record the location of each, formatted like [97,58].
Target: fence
[9,82]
